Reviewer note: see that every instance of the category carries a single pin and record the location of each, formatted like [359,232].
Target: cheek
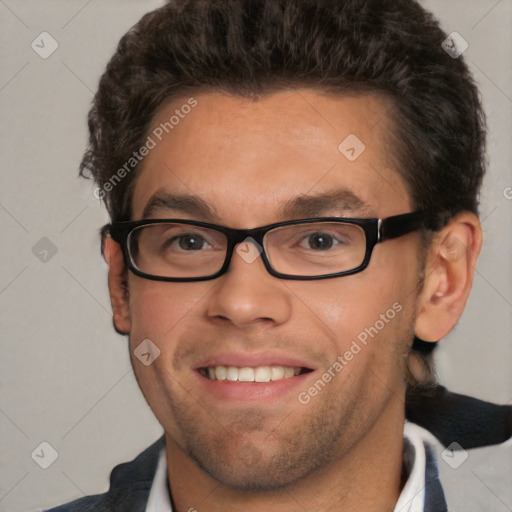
[157,308]
[349,305]
[367,351]
[368,319]
[160,312]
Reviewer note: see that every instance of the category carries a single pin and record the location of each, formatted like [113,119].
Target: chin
[266,474]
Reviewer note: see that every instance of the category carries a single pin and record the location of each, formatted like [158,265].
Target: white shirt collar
[411,499]
[159,500]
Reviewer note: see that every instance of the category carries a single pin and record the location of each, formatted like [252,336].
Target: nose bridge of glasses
[253,235]
[247,243]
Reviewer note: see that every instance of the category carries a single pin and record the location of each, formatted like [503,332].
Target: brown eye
[191,242]
[320,241]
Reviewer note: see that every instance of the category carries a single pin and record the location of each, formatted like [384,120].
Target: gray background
[65,374]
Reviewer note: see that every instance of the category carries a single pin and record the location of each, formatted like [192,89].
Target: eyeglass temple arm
[399,225]
[105,231]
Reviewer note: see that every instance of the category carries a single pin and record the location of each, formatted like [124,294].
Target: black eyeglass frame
[376,231]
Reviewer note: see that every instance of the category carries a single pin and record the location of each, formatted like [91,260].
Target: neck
[367,477]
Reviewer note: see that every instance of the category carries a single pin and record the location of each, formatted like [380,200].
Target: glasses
[305,249]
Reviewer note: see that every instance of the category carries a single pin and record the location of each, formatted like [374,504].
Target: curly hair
[252,48]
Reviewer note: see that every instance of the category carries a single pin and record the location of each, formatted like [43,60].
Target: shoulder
[130,484]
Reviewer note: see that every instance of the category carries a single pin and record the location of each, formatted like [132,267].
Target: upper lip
[252,360]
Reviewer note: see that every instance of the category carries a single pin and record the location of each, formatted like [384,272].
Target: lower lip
[254,391]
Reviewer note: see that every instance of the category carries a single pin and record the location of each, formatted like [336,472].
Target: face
[342,340]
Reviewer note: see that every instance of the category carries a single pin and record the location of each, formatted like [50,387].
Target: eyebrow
[184,203]
[339,202]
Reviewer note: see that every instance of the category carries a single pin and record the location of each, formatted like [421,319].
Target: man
[293,194]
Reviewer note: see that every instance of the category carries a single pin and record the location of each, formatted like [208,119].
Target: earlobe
[119,295]
[449,272]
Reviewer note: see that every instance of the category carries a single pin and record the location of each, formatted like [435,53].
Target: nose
[247,294]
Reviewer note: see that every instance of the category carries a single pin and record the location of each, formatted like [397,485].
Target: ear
[117,285]
[449,271]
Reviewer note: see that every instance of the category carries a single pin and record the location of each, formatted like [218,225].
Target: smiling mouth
[252,374]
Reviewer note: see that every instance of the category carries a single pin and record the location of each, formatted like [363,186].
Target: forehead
[247,158]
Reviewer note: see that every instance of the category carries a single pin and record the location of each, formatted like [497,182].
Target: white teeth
[220,372]
[262,374]
[232,373]
[247,374]
[289,372]
[276,372]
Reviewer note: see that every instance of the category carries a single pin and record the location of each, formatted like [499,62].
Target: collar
[422,491]
[159,499]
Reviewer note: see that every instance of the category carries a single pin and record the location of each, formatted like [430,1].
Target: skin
[344,448]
